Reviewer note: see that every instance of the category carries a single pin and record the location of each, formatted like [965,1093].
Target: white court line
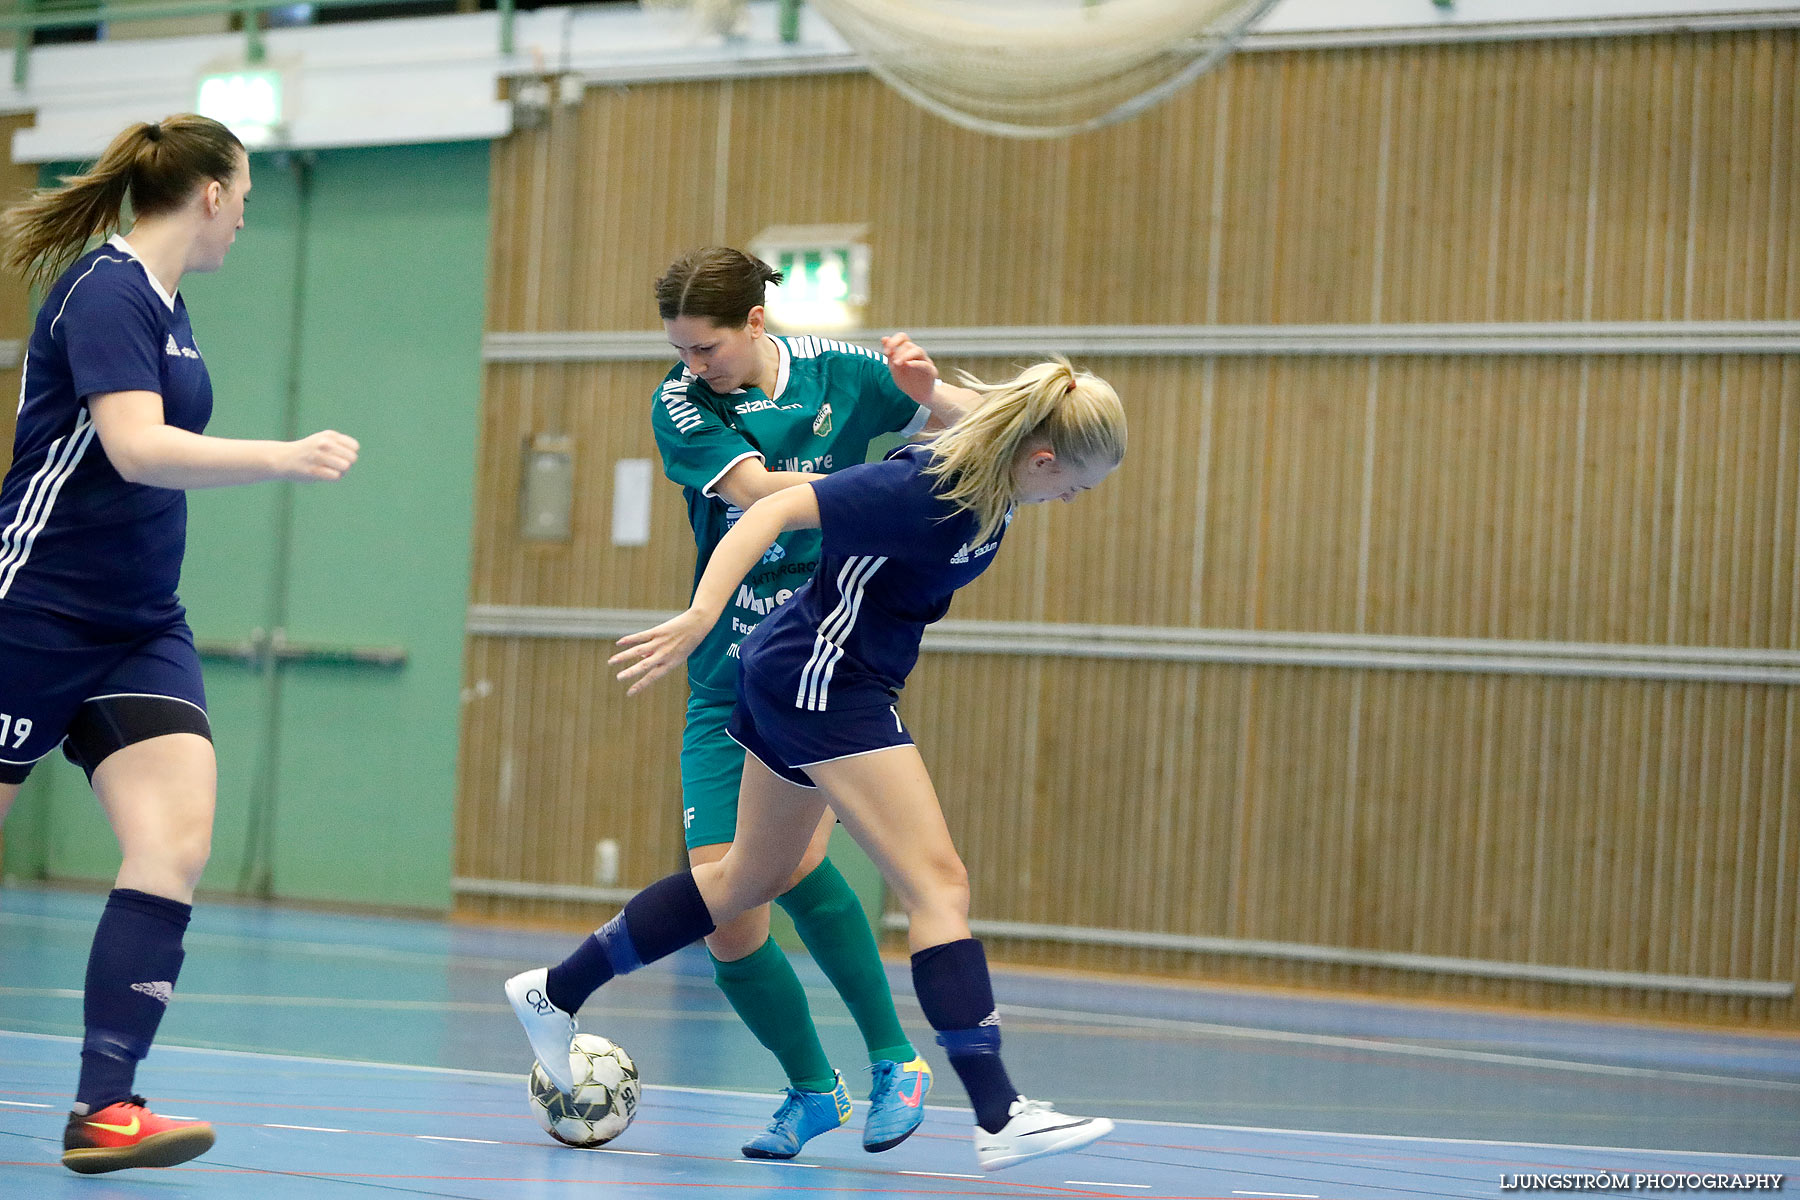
[378,1005]
[1062,1016]
[314,949]
[776,1162]
[24,1104]
[307,1128]
[312,1060]
[176,1117]
[432,1137]
[1417,1139]
[512,1077]
[1103,1183]
[942,1175]
[1245,1033]
[429,958]
[469,1006]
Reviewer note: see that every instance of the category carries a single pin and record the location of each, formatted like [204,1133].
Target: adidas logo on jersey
[175,350]
[966,553]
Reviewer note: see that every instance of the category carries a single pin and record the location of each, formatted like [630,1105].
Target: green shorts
[712,768]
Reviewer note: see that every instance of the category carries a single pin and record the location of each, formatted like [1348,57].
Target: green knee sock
[767,995]
[830,920]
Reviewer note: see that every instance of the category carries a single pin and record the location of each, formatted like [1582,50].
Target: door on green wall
[352,300]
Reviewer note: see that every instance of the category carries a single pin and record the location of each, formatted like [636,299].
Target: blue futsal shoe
[896,1103]
[802,1117]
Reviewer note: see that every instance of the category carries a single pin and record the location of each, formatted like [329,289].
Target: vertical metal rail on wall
[256,874]
[22,44]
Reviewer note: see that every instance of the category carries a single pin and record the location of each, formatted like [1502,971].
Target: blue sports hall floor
[355,1056]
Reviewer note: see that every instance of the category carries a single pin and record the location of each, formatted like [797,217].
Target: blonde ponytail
[156,163]
[1077,416]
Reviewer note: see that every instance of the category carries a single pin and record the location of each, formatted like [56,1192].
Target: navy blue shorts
[50,666]
[787,740]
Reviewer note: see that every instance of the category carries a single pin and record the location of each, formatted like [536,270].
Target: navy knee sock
[658,921]
[952,984]
[131,975]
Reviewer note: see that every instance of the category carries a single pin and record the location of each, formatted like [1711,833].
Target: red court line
[1202,1148]
[835,1189]
[1307,1152]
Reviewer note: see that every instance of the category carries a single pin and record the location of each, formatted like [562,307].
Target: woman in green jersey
[744,414]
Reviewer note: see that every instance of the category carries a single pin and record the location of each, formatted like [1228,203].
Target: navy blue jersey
[75,537]
[894,551]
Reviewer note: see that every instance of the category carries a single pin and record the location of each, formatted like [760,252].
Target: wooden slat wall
[1622,179]
[1591,822]
[1626,825]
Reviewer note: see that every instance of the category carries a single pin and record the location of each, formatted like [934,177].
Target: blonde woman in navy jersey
[816,711]
[95,652]
[743,414]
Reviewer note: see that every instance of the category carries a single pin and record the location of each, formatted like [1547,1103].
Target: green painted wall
[353,797]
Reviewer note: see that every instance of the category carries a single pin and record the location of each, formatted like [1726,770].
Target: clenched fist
[324,456]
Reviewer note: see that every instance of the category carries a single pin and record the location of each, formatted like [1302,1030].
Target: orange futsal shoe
[127,1134]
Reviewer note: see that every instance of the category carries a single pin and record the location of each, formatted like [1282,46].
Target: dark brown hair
[157,163]
[717,282]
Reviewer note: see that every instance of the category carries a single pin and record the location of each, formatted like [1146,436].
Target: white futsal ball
[605,1099]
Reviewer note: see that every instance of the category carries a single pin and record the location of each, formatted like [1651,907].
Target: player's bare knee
[764,889]
[743,885]
[951,899]
[727,948]
[192,853]
[807,866]
[945,876]
[941,886]
[170,867]
[185,843]
[738,938]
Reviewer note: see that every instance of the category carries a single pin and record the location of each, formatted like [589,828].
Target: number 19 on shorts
[14,730]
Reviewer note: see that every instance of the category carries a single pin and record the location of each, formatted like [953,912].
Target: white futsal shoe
[1034,1130]
[549,1027]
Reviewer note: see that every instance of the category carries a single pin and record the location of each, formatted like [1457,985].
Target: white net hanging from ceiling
[1025,68]
[1040,68]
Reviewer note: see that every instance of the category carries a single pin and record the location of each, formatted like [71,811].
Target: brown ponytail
[717,282]
[156,164]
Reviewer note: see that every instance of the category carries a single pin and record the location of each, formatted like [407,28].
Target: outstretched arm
[144,449]
[653,653]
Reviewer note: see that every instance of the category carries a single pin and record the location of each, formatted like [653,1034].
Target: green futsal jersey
[831,400]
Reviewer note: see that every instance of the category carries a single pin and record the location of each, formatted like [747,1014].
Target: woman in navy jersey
[745,413]
[95,652]
[816,708]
